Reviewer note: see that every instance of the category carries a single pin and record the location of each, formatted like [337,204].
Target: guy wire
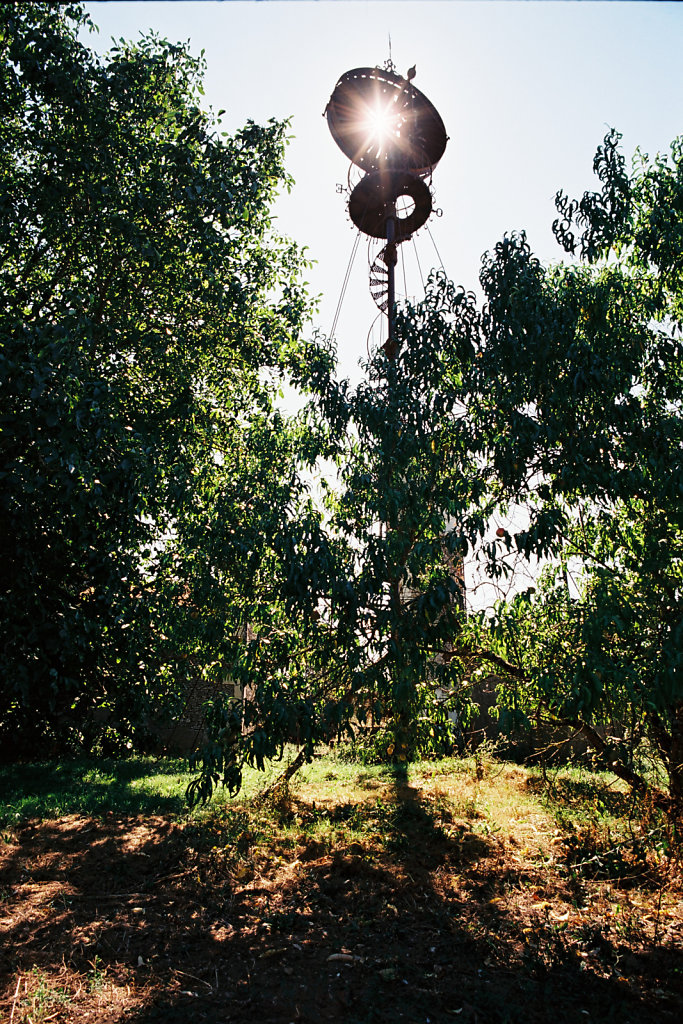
[405,283]
[418,264]
[367,340]
[435,248]
[345,284]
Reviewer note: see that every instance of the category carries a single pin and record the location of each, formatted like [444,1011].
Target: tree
[583,390]
[561,394]
[149,313]
[364,600]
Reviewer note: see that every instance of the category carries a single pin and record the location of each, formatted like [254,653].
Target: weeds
[37,998]
[608,832]
[483,757]
[96,974]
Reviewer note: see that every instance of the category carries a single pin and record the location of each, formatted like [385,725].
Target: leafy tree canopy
[149,313]
[584,397]
[562,395]
[160,527]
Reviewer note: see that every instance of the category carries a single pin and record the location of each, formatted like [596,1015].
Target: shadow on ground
[426,926]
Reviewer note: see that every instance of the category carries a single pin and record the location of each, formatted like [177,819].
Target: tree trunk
[283,778]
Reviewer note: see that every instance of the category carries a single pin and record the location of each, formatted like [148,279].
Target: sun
[381,124]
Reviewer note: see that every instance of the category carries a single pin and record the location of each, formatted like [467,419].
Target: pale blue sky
[526,91]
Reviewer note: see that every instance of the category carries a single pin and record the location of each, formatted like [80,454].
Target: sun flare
[381,124]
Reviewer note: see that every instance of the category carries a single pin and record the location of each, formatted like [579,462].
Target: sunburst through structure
[391,131]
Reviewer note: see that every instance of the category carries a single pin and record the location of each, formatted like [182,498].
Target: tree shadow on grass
[417,924]
[370,937]
[87,786]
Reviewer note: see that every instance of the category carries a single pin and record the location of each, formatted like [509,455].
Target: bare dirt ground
[408,905]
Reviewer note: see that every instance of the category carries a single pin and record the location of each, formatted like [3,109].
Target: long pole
[390,258]
[400,714]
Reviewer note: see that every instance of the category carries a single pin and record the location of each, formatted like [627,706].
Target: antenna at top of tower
[389,64]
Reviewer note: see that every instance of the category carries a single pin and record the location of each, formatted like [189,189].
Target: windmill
[395,137]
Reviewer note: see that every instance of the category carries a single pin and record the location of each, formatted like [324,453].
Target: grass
[357,885]
[146,785]
[51,789]
[39,998]
[336,805]
[93,787]
[341,802]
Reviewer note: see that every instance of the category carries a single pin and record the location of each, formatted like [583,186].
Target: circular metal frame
[413,136]
[373,201]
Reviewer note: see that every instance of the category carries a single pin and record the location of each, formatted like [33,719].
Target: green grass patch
[608,831]
[578,796]
[96,786]
[43,1000]
[150,785]
[51,789]
[331,800]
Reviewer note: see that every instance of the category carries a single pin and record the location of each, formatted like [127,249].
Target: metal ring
[373,201]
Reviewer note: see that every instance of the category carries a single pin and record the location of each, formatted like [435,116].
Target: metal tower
[390,130]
